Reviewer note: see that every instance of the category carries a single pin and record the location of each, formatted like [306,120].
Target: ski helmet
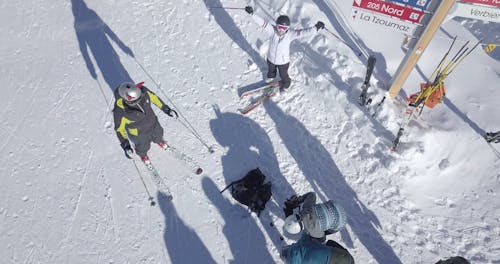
[283,20]
[293,225]
[331,216]
[129,92]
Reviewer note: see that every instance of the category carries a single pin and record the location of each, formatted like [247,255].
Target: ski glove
[319,25]
[291,203]
[127,149]
[169,111]
[249,9]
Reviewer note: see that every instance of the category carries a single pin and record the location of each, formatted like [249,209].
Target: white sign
[358,14]
[476,12]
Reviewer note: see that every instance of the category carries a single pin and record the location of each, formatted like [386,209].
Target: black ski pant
[143,141]
[283,70]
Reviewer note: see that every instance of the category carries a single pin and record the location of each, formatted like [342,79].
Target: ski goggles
[282,27]
[133,101]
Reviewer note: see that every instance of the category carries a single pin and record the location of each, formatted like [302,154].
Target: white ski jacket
[279,46]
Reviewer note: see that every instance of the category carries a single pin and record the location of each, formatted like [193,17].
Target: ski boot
[147,162]
[492,137]
[163,145]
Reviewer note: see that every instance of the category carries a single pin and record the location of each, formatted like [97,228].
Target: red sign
[402,12]
[483,2]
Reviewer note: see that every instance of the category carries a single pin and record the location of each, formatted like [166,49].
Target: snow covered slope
[68,194]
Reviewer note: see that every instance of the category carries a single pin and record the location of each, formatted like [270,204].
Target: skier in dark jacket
[309,250]
[135,120]
[317,220]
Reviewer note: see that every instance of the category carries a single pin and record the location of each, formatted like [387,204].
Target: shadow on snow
[227,24]
[320,169]
[246,241]
[182,242]
[380,72]
[249,146]
[95,35]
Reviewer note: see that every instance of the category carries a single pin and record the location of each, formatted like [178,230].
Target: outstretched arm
[118,41]
[160,104]
[263,24]
[302,33]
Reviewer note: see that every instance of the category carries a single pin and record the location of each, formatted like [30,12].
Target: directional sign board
[404,13]
[495,3]
[388,22]
[475,11]
[422,4]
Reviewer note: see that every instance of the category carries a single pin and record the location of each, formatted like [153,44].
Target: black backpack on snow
[251,190]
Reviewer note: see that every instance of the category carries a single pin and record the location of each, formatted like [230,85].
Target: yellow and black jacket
[138,119]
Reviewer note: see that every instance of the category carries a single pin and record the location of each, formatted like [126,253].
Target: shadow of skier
[380,73]
[320,169]
[248,146]
[92,33]
[246,241]
[487,32]
[182,242]
[227,24]
[315,64]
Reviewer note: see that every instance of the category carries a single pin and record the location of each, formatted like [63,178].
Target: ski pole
[341,40]
[143,183]
[221,7]
[438,68]
[465,55]
[188,125]
[195,133]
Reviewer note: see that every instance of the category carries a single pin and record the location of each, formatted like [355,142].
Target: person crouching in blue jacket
[309,250]
[317,221]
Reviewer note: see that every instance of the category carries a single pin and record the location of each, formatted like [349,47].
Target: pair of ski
[442,71]
[363,99]
[159,181]
[266,92]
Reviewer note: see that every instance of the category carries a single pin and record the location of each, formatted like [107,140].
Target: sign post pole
[412,57]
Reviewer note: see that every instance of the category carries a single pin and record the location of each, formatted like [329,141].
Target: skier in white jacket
[278,56]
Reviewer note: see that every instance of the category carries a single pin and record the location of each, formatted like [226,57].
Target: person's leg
[157,134]
[285,78]
[142,144]
[271,70]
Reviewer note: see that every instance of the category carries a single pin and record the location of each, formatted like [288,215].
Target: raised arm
[302,33]
[264,25]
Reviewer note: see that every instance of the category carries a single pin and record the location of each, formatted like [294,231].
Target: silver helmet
[129,93]
[293,225]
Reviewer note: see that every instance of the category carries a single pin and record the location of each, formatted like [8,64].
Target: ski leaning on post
[417,103]
[366,83]
[267,91]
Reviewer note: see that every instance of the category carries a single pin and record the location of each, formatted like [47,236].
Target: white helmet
[129,92]
[293,225]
